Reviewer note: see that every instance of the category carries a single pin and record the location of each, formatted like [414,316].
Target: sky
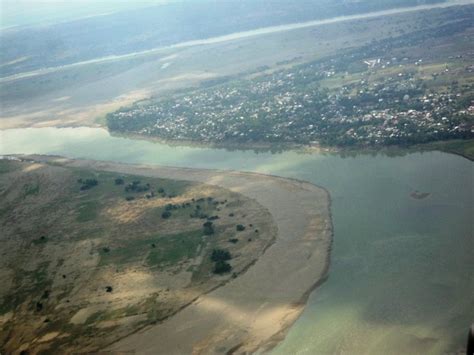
[32,12]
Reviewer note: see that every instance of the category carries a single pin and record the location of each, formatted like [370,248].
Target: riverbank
[464,148]
[255,310]
[141,239]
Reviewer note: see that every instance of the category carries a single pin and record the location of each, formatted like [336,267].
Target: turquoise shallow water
[402,273]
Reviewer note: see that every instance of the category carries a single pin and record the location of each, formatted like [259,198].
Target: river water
[402,271]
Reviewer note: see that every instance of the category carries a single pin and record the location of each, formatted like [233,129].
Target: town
[294,105]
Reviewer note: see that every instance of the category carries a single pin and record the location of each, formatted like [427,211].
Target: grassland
[81,267]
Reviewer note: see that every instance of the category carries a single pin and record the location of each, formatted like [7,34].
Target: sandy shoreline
[254,311]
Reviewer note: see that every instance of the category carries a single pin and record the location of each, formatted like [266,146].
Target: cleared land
[90,256]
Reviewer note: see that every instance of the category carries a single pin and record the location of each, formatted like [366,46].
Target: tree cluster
[220,258]
[87,183]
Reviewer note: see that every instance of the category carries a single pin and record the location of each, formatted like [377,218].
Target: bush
[91,182]
[135,186]
[222,267]
[41,240]
[88,183]
[240,227]
[166,214]
[220,255]
[208,228]
[119,181]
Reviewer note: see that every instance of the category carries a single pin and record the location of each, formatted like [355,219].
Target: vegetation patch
[30,189]
[88,211]
[7,166]
[220,258]
[81,247]
[87,184]
[41,240]
[172,249]
[159,250]
[464,148]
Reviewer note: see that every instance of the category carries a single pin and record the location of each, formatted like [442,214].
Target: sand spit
[252,312]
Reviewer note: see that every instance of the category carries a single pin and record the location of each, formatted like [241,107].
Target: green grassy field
[158,250]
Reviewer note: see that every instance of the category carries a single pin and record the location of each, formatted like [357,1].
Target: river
[402,271]
[237,36]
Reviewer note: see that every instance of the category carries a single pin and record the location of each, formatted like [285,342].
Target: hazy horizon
[34,12]
[19,13]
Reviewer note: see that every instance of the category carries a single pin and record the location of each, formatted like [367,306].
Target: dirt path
[253,311]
